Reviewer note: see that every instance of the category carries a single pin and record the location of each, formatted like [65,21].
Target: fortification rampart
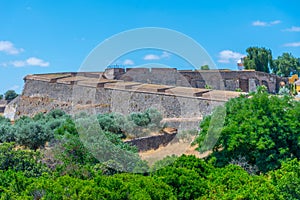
[43,96]
[73,93]
[176,94]
[246,80]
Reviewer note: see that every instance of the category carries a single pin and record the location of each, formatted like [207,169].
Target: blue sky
[54,36]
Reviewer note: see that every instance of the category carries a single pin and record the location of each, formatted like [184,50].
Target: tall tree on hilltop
[10,95]
[259,59]
[286,65]
[205,67]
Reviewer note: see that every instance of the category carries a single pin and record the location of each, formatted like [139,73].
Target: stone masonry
[176,94]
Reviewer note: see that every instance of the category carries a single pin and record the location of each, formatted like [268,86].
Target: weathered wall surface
[58,91]
[232,80]
[169,105]
[164,76]
[10,109]
[217,79]
[42,96]
[68,91]
[84,92]
[3,104]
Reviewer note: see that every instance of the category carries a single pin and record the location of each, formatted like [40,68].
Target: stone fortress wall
[3,104]
[179,95]
[246,80]
[41,95]
[176,94]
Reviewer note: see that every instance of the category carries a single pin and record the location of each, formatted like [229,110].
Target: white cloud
[259,23]
[262,23]
[151,57]
[165,55]
[32,61]
[275,22]
[128,62]
[3,64]
[9,48]
[157,57]
[228,56]
[293,44]
[293,29]
[18,63]
[15,87]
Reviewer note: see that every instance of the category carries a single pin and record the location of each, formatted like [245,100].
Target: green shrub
[26,161]
[111,122]
[7,133]
[287,179]
[32,134]
[154,116]
[140,119]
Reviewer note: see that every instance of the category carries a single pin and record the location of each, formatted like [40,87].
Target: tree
[32,134]
[205,67]
[111,122]
[10,95]
[140,119]
[186,183]
[7,133]
[154,116]
[286,65]
[264,129]
[259,59]
[1,96]
[232,182]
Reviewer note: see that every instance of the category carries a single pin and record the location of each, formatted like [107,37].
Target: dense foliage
[186,178]
[263,129]
[286,65]
[59,164]
[204,67]
[259,59]
[137,124]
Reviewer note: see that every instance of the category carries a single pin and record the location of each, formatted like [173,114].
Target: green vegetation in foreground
[263,131]
[258,160]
